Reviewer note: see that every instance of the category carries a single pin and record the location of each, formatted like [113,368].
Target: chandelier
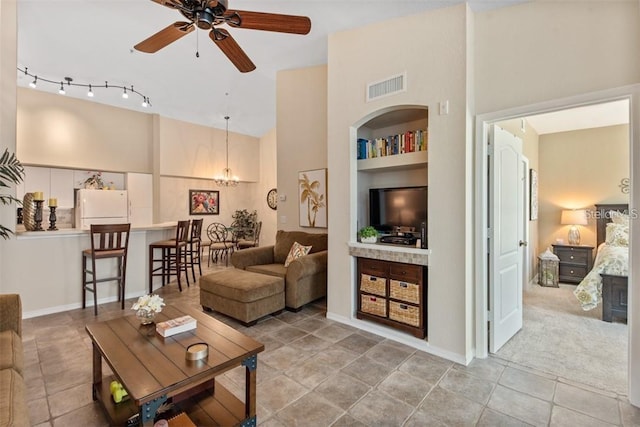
[227,179]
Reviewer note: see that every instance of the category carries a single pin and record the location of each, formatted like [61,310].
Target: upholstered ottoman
[243,295]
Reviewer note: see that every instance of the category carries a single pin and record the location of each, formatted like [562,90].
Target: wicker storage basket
[373,285]
[405,291]
[374,305]
[404,313]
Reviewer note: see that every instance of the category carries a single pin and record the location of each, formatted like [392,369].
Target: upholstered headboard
[603,218]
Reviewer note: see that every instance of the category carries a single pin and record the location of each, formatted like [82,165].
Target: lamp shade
[574,217]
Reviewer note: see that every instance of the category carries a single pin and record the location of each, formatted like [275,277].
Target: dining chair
[173,257]
[108,241]
[220,245]
[194,249]
[253,239]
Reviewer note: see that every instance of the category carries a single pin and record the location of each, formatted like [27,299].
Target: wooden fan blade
[164,37]
[268,21]
[173,4]
[234,52]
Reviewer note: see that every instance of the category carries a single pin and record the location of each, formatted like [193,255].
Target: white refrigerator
[101,207]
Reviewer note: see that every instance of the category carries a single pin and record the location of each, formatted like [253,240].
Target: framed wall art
[312,198]
[533,195]
[204,202]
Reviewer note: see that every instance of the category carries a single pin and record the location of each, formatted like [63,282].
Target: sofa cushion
[285,239]
[13,405]
[277,270]
[11,354]
[242,285]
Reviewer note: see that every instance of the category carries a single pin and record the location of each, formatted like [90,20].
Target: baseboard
[67,307]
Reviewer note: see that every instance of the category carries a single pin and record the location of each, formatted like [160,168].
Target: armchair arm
[307,266]
[11,313]
[252,256]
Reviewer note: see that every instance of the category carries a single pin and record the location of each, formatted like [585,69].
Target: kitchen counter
[45,268]
[63,232]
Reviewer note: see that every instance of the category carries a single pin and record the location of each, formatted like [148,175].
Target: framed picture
[533,195]
[312,198]
[204,202]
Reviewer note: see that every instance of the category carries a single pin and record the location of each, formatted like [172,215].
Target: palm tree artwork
[310,193]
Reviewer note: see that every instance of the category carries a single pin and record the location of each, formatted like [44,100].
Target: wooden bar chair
[173,257]
[194,247]
[107,241]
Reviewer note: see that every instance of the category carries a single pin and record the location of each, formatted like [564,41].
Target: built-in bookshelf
[395,139]
[407,142]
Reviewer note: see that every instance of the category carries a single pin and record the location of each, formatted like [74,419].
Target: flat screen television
[390,208]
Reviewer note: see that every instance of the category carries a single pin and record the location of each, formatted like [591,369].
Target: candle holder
[37,216]
[52,219]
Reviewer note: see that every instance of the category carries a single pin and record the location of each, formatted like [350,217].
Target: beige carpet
[559,338]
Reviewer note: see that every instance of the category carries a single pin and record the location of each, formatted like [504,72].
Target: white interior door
[506,234]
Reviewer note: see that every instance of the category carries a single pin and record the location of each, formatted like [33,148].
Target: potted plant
[244,223]
[368,234]
[11,172]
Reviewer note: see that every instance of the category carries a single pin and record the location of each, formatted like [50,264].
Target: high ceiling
[92,41]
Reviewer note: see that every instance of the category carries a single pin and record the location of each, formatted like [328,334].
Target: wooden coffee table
[154,370]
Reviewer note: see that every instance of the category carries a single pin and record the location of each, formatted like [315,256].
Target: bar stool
[107,241]
[173,257]
[194,249]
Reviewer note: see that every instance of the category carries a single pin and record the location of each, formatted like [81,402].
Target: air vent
[389,86]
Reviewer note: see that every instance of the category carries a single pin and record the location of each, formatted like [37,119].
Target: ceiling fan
[209,14]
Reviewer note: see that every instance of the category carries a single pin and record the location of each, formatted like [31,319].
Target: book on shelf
[407,142]
[176,326]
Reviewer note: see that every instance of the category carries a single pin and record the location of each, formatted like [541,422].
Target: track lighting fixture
[90,86]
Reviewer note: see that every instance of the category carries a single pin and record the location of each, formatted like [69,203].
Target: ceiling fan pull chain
[197,42]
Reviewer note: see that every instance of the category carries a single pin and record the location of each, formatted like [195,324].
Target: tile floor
[317,372]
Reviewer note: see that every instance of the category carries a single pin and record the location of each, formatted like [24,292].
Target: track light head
[61,90]
[34,83]
[90,93]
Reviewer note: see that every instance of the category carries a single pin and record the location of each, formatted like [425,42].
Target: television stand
[399,240]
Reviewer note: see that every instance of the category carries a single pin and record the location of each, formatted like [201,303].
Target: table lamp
[574,218]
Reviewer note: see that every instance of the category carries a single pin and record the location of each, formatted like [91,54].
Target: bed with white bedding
[607,281]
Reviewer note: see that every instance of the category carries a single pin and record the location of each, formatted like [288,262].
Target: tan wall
[436,71]
[54,130]
[268,180]
[545,50]
[577,170]
[302,136]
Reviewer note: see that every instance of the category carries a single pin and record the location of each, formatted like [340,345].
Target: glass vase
[145,317]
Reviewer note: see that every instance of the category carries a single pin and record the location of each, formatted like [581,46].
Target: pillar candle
[53,201]
[38,195]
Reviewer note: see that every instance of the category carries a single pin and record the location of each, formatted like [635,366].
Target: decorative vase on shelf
[146,317]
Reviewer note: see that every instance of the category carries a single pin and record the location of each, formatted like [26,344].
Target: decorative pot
[145,317]
[372,239]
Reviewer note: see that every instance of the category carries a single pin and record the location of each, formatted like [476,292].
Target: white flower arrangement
[149,303]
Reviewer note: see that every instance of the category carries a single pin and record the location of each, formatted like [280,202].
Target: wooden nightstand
[575,262]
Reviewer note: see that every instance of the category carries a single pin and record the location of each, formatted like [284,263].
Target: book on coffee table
[175,326]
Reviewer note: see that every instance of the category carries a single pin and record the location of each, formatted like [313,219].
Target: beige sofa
[305,279]
[13,399]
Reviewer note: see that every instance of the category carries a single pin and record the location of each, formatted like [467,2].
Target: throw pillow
[297,250]
[619,217]
[617,234]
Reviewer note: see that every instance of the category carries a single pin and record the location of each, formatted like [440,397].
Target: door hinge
[490,150]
